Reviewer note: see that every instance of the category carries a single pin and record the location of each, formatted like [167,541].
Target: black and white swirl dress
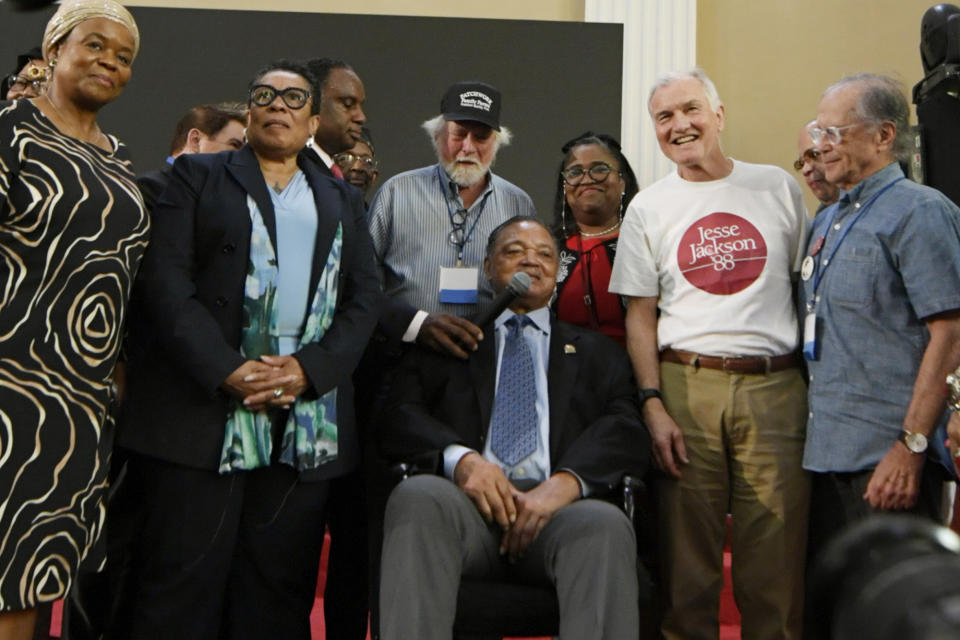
[72,233]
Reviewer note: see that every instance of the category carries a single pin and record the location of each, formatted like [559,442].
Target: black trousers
[225,556]
[346,602]
[836,501]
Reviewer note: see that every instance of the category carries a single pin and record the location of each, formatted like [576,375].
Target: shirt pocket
[853,282]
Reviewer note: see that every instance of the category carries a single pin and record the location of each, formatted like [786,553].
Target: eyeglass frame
[458,222]
[370,164]
[810,155]
[283,95]
[583,172]
[36,83]
[817,134]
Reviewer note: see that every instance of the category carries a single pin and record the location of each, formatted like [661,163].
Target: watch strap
[647,393]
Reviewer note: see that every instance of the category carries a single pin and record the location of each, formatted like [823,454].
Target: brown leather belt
[745,365]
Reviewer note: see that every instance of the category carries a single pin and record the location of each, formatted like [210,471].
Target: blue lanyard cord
[822,265]
[462,244]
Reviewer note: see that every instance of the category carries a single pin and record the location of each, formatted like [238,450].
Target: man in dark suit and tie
[541,420]
[341,116]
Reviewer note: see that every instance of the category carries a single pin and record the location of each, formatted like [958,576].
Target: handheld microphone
[517,286]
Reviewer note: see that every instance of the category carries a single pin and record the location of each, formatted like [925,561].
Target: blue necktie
[513,430]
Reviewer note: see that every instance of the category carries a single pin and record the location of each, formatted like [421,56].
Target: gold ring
[277,392]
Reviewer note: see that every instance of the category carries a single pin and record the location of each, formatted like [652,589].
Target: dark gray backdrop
[557,78]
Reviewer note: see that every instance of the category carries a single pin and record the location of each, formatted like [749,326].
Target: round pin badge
[806,268]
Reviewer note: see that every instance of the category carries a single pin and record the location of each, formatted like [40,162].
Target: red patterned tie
[335,170]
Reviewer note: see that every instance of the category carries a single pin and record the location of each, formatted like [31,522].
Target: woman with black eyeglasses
[594,186]
[261,287]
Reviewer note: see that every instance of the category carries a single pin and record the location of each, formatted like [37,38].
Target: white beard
[466,174]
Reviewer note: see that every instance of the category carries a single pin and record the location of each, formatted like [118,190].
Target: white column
[658,36]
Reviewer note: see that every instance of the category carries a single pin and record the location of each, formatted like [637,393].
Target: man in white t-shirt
[715,247]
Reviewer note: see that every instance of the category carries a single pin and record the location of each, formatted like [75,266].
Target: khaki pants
[744,436]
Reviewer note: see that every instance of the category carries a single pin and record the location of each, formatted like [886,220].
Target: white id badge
[458,285]
[810,336]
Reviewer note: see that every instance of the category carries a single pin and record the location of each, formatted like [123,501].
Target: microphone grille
[519,282]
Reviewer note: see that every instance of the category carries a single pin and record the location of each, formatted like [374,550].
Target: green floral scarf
[310,434]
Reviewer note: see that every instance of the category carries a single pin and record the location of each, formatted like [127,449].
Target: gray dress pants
[433,535]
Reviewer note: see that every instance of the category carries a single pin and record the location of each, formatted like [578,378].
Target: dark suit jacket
[153,183]
[191,285]
[595,426]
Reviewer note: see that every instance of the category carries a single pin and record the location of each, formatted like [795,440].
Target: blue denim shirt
[899,264]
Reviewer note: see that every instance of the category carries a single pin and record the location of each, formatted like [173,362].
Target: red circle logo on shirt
[722,254]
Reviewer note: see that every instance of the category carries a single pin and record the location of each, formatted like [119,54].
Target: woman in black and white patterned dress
[72,232]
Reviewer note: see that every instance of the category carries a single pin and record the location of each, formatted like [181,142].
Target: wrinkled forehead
[463,127]
[282,79]
[528,232]
[677,93]
[361,149]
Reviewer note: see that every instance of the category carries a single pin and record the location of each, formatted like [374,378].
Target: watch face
[916,442]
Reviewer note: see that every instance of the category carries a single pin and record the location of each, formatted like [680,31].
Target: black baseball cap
[476,101]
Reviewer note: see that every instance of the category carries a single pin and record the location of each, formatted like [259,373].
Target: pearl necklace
[597,234]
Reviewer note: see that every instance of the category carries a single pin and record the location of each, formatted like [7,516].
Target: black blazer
[191,286]
[595,424]
[153,183]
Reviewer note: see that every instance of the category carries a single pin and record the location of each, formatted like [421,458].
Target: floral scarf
[310,435]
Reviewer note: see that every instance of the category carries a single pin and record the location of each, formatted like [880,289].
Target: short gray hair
[696,73]
[881,100]
[437,125]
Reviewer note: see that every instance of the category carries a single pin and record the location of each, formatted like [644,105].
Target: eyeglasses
[22,82]
[810,155]
[347,160]
[832,135]
[458,221]
[264,94]
[598,173]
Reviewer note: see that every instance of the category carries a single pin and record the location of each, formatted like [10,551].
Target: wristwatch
[646,394]
[916,442]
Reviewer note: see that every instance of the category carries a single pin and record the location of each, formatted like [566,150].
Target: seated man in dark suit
[541,420]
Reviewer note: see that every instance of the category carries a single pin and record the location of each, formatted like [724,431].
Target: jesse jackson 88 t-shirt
[720,256]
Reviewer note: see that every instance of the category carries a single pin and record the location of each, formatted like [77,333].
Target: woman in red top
[595,185]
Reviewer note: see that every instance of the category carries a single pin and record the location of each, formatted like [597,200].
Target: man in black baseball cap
[429,224]
[472,101]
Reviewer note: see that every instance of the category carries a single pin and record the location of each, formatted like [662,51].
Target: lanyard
[822,265]
[453,225]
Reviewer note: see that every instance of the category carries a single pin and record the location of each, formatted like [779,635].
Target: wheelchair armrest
[423,463]
[632,491]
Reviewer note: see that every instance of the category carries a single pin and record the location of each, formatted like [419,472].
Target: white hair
[696,73]
[881,99]
[435,127]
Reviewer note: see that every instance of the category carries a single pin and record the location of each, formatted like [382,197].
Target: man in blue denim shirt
[880,306]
